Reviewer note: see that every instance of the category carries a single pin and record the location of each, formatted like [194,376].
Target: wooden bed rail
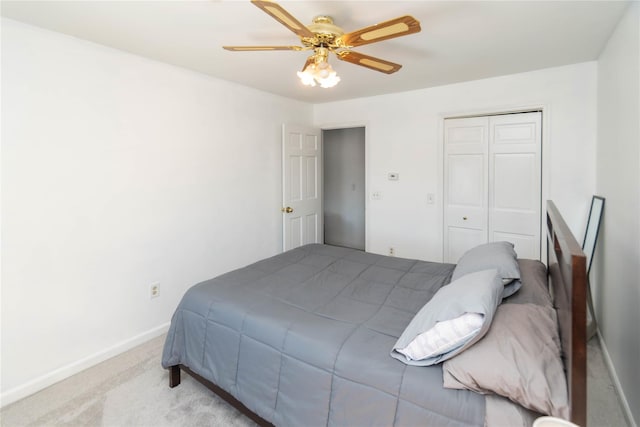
[174,381]
[568,281]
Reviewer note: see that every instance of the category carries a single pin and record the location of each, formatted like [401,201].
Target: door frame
[365,125]
[545,109]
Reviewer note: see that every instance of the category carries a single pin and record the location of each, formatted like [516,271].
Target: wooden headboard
[567,268]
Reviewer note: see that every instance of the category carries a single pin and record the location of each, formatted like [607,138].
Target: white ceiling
[459,41]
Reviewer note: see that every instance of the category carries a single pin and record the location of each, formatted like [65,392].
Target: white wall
[617,262]
[118,172]
[405,136]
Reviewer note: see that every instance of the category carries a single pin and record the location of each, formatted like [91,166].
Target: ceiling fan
[323,37]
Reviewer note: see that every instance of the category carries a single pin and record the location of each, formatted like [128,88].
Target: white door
[301,186]
[466,185]
[515,181]
[492,183]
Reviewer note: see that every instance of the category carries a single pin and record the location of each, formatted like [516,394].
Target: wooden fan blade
[369,62]
[397,27]
[282,16]
[249,48]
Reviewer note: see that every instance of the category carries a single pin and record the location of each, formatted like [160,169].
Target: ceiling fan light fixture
[307,76]
[319,73]
[330,81]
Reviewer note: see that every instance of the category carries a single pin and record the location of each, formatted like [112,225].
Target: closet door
[492,183]
[515,181]
[466,185]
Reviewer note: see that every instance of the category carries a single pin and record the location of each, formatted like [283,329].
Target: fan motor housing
[326,32]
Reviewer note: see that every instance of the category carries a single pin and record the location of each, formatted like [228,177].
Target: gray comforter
[303,339]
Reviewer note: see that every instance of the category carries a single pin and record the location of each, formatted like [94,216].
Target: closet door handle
[464,218]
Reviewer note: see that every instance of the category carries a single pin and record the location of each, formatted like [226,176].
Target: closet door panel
[462,239]
[515,181]
[466,185]
[466,181]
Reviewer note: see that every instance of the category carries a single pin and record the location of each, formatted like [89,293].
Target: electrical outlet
[392,251]
[154,290]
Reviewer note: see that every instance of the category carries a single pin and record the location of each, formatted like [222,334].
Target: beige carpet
[133,390]
[128,390]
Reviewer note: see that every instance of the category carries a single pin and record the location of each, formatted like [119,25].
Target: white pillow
[443,336]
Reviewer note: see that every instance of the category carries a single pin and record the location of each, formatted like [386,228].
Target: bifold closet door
[492,183]
[466,185]
[515,178]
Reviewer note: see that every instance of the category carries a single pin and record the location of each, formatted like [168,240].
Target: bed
[316,336]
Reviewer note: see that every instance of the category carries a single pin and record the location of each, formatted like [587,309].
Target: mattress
[303,338]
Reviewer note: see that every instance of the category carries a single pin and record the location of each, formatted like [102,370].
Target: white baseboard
[616,382]
[44,381]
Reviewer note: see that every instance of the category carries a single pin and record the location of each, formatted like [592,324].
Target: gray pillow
[478,292]
[498,255]
[519,358]
[511,287]
[535,289]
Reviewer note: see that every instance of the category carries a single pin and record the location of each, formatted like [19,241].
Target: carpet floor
[132,390]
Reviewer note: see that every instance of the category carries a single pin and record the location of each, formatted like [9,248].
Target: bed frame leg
[174,376]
